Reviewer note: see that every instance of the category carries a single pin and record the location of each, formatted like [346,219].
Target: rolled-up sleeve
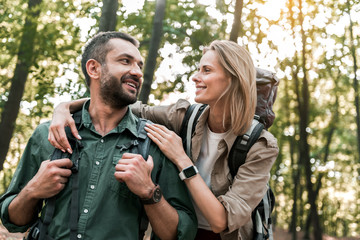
[37,150]
[170,116]
[177,195]
[250,182]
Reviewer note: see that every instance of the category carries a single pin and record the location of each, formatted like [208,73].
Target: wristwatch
[156,195]
[188,172]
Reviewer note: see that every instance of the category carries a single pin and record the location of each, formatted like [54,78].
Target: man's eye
[126,61]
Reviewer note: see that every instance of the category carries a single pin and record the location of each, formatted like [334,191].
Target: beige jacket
[239,196]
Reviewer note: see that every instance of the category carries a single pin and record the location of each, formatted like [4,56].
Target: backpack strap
[50,203]
[188,125]
[142,147]
[143,142]
[242,145]
[267,211]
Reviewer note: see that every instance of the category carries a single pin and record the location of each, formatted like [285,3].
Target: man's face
[121,75]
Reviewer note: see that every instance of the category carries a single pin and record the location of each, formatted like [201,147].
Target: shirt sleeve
[177,195]
[37,149]
[250,183]
[170,116]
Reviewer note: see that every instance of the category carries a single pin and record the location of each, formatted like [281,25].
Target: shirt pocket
[120,188]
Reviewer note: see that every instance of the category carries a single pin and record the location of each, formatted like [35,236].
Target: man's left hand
[136,173]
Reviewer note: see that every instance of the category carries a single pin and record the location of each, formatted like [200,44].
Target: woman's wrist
[63,106]
[183,162]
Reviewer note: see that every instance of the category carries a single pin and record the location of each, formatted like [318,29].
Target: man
[115,185]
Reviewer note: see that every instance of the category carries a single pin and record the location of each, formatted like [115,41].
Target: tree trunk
[296,172]
[304,146]
[150,63]
[235,29]
[24,61]
[108,18]
[355,82]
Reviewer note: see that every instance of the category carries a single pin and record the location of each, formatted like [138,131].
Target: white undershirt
[205,164]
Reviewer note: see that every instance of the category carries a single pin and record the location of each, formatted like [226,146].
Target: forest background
[311,45]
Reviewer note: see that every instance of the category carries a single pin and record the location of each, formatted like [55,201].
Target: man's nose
[136,71]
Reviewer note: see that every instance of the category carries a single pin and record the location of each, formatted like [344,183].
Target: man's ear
[93,68]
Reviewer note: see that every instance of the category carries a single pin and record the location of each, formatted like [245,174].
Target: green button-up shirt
[107,208]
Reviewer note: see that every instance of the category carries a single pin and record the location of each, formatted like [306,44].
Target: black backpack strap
[188,125]
[74,207]
[242,145]
[143,140]
[142,148]
[50,203]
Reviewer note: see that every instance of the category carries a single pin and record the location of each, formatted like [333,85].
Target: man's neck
[104,117]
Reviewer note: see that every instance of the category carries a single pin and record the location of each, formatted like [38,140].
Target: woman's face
[211,80]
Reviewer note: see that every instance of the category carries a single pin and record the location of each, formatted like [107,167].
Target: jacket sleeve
[250,183]
[37,149]
[170,116]
[176,194]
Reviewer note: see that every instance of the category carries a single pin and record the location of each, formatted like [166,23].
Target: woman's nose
[195,77]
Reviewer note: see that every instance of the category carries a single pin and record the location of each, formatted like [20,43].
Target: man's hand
[50,178]
[61,119]
[48,181]
[136,173]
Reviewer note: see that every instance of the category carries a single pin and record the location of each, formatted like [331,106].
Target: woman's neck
[216,122]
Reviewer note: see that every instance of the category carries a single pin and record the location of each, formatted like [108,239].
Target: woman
[226,82]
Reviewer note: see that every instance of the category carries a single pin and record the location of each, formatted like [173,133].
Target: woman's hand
[169,143]
[61,119]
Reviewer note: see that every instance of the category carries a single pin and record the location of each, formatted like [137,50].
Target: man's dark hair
[98,47]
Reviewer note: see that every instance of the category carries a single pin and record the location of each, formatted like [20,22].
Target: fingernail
[79,137]
[69,150]
[62,150]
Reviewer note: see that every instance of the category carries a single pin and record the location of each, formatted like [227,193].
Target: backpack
[266,83]
[39,230]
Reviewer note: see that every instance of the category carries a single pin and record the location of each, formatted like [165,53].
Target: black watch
[156,195]
[188,172]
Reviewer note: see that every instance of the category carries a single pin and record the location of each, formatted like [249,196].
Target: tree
[155,41]
[25,60]
[108,17]
[303,98]
[237,20]
[355,80]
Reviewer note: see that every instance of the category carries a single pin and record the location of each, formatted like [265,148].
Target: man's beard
[113,93]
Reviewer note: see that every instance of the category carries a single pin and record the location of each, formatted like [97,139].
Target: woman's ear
[93,68]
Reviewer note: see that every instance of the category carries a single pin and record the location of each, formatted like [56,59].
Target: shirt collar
[129,121]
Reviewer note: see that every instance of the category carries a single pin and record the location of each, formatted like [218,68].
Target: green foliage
[188,27]
[57,42]
[191,28]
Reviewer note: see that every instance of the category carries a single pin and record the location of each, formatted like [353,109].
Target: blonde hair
[240,96]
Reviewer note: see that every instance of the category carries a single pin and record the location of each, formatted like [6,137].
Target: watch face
[157,195]
[189,172]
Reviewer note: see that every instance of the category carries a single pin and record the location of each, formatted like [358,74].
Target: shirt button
[79,236]
[97,162]
[92,186]
[86,211]
[102,140]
